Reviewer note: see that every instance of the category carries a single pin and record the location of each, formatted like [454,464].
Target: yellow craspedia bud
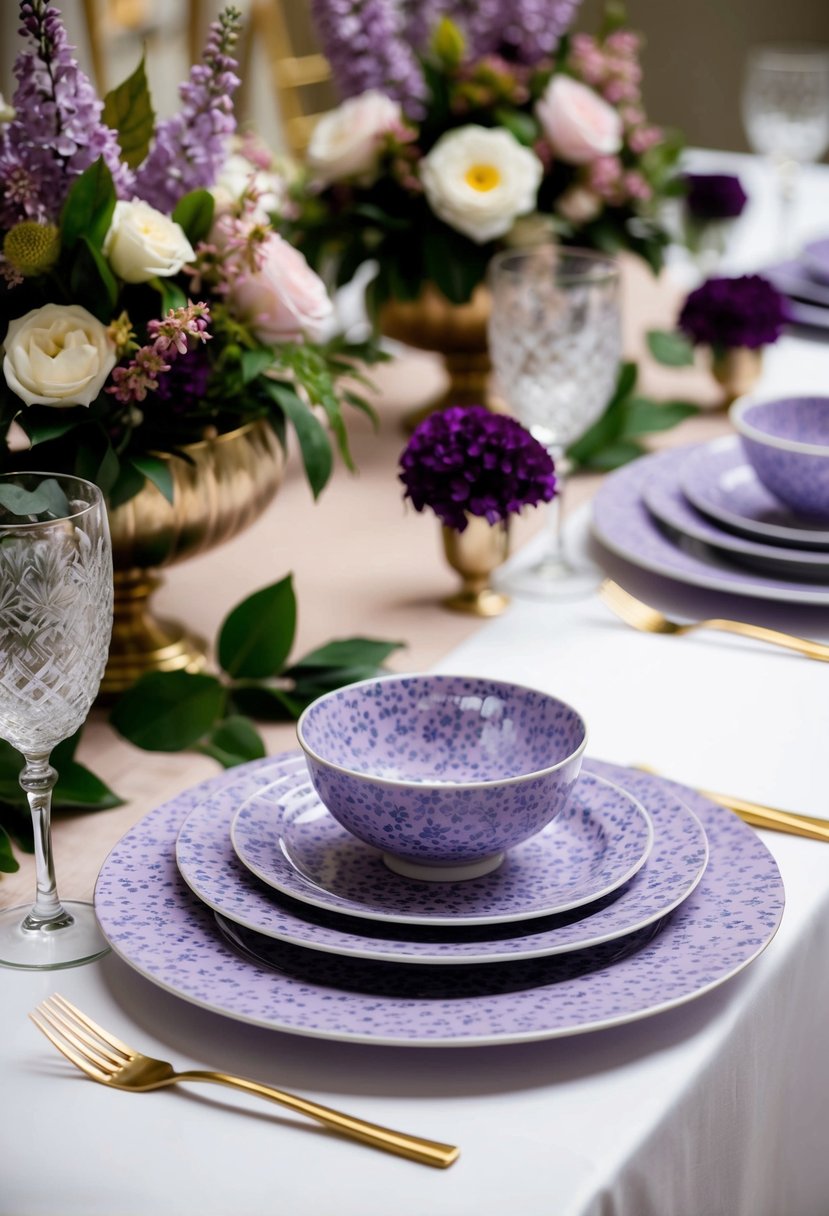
[32,248]
[448,43]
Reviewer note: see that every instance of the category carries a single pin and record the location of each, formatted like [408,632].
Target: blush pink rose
[578,123]
[285,299]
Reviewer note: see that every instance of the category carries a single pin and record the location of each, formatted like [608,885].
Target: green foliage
[47,501]
[88,209]
[129,111]
[614,439]
[194,212]
[670,347]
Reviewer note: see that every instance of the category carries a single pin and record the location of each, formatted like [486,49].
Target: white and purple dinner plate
[624,525]
[717,479]
[161,929]
[674,867]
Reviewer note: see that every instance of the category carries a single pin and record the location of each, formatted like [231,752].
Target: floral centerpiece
[146,301]
[465,126]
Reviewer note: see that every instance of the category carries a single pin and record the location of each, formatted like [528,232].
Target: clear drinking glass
[555,342]
[785,102]
[55,624]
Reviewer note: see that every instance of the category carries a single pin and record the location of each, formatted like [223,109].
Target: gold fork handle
[768,817]
[812,650]
[427,1152]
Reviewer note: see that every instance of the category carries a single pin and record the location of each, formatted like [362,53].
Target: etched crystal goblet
[55,624]
[555,342]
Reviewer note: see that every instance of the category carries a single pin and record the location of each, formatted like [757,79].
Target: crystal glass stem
[38,780]
[554,558]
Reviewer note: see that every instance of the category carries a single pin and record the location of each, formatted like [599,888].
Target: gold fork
[649,620]
[107,1060]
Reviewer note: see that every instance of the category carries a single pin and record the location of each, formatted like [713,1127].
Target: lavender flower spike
[525,30]
[57,131]
[367,49]
[190,148]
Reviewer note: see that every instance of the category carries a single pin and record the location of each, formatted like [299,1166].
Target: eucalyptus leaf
[87,211]
[129,112]
[670,348]
[234,740]
[256,638]
[167,711]
[47,499]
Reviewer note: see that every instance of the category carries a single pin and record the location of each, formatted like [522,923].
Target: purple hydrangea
[191,147]
[366,45]
[714,196]
[725,313]
[467,461]
[57,131]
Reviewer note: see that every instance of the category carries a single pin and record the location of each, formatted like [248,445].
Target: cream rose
[143,243]
[578,123]
[346,142]
[479,180]
[57,355]
[285,299]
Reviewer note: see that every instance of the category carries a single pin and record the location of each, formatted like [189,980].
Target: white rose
[579,124]
[57,355]
[143,243]
[238,175]
[6,111]
[346,142]
[478,180]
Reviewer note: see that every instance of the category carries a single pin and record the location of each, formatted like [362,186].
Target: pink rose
[285,299]
[578,123]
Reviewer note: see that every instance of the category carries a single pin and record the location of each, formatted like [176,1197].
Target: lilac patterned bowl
[442,773]
[787,444]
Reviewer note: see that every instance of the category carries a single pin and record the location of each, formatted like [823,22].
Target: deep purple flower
[57,131]
[467,461]
[725,313]
[191,147]
[365,43]
[184,386]
[714,196]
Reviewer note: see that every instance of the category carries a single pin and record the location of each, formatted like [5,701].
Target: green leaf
[87,212]
[78,787]
[11,762]
[157,471]
[171,294]
[129,482]
[313,441]
[129,111]
[167,711]
[8,861]
[519,123]
[643,416]
[256,637]
[64,752]
[194,213]
[233,741]
[255,362]
[348,652]
[670,348]
[54,428]
[92,281]
[614,455]
[47,499]
[266,703]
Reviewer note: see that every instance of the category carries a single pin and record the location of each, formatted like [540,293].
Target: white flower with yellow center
[478,180]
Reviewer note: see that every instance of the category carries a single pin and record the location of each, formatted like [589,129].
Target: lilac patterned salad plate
[674,867]
[165,933]
[717,479]
[287,838]
[669,506]
[815,259]
[622,523]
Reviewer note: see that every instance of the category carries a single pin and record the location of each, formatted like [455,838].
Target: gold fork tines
[106,1059]
[649,620]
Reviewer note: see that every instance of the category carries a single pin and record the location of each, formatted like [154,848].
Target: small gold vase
[737,370]
[458,332]
[475,554]
[220,488]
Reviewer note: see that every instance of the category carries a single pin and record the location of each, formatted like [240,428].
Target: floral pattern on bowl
[787,443]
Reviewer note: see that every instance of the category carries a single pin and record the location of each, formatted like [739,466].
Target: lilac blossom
[468,461]
[182,330]
[729,312]
[365,43]
[57,130]
[191,147]
[523,30]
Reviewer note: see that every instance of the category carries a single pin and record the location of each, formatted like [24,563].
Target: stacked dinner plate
[804,281]
[700,515]
[243,895]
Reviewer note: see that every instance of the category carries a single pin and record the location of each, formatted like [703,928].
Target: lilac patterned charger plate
[669,506]
[623,524]
[674,867]
[162,930]
[288,839]
[717,480]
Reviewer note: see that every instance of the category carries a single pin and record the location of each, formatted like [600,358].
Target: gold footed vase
[476,553]
[737,370]
[222,486]
[457,332]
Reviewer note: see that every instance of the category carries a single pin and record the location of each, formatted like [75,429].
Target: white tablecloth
[718,1108]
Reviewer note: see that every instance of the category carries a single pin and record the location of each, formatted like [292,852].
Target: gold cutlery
[104,1058]
[649,620]
[768,817]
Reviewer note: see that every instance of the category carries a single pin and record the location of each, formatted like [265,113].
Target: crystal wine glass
[55,623]
[555,342]
[785,103]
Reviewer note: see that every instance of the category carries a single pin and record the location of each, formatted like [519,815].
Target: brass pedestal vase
[476,553]
[737,370]
[220,486]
